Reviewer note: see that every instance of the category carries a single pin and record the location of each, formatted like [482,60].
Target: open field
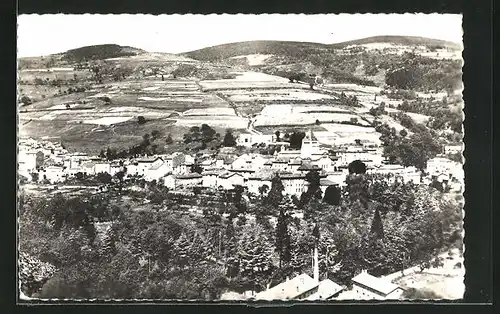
[210,112]
[304,115]
[344,134]
[446,281]
[279,94]
[229,122]
[250,80]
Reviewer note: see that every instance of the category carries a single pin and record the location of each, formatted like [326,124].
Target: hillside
[296,49]
[400,40]
[99,52]
[284,48]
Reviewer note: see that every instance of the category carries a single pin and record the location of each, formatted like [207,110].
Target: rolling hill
[399,40]
[297,49]
[283,48]
[99,52]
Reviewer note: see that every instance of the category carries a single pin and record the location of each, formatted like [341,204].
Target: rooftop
[377,284]
[228,175]
[326,182]
[289,289]
[156,167]
[326,290]
[148,159]
[308,166]
[188,176]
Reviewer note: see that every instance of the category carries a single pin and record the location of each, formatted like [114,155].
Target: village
[48,162]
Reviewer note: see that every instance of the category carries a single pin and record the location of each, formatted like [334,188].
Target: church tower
[310,146]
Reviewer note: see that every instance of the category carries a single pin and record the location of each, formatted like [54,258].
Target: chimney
[267,286]
[316,266]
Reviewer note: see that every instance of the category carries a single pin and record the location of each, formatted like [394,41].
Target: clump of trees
[351,101]
[203,137]
[415,72]
[412,150]
[229,139]
[379,110]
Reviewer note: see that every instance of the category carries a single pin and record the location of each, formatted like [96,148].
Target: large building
[368,287]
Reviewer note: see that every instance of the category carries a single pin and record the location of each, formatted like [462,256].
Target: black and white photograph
[240,157]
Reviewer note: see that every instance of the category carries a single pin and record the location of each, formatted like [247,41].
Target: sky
[46,34]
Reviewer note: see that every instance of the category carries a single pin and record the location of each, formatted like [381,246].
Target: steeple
[310,134]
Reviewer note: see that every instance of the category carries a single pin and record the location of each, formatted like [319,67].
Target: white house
[229,180]
[102,166]
[258,179]
[143,164]
[114,168]
[368,287]
[209,179]
[279,164]
[325,162]
[249,139]
[175,181]
[242,162]
[53,174]
[294,184]
[157,171]
[88,168]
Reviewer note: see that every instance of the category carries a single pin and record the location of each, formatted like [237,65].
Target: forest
[202,244]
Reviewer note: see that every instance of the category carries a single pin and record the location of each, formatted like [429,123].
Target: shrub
[141,120]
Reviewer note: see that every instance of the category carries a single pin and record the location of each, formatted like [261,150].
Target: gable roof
[148,159]
[156,167]
[379,285]
[308,166]
[188,176]
[326,290]
[228,175]
[289,289]
[326,182]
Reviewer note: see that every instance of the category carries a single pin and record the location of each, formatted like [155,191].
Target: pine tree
[230,250]
[275,195]
[182,250]
[282,242]
[229,140]
[255,254]
[377,227]
[108,246]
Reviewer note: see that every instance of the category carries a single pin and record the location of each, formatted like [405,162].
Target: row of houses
[252,171]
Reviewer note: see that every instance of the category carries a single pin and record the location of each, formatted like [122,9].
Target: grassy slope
[401,40]
[226,51]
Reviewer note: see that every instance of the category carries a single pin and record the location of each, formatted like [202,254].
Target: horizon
[40,35]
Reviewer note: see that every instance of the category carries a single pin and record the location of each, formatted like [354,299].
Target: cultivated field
[276,115]
[346,134]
